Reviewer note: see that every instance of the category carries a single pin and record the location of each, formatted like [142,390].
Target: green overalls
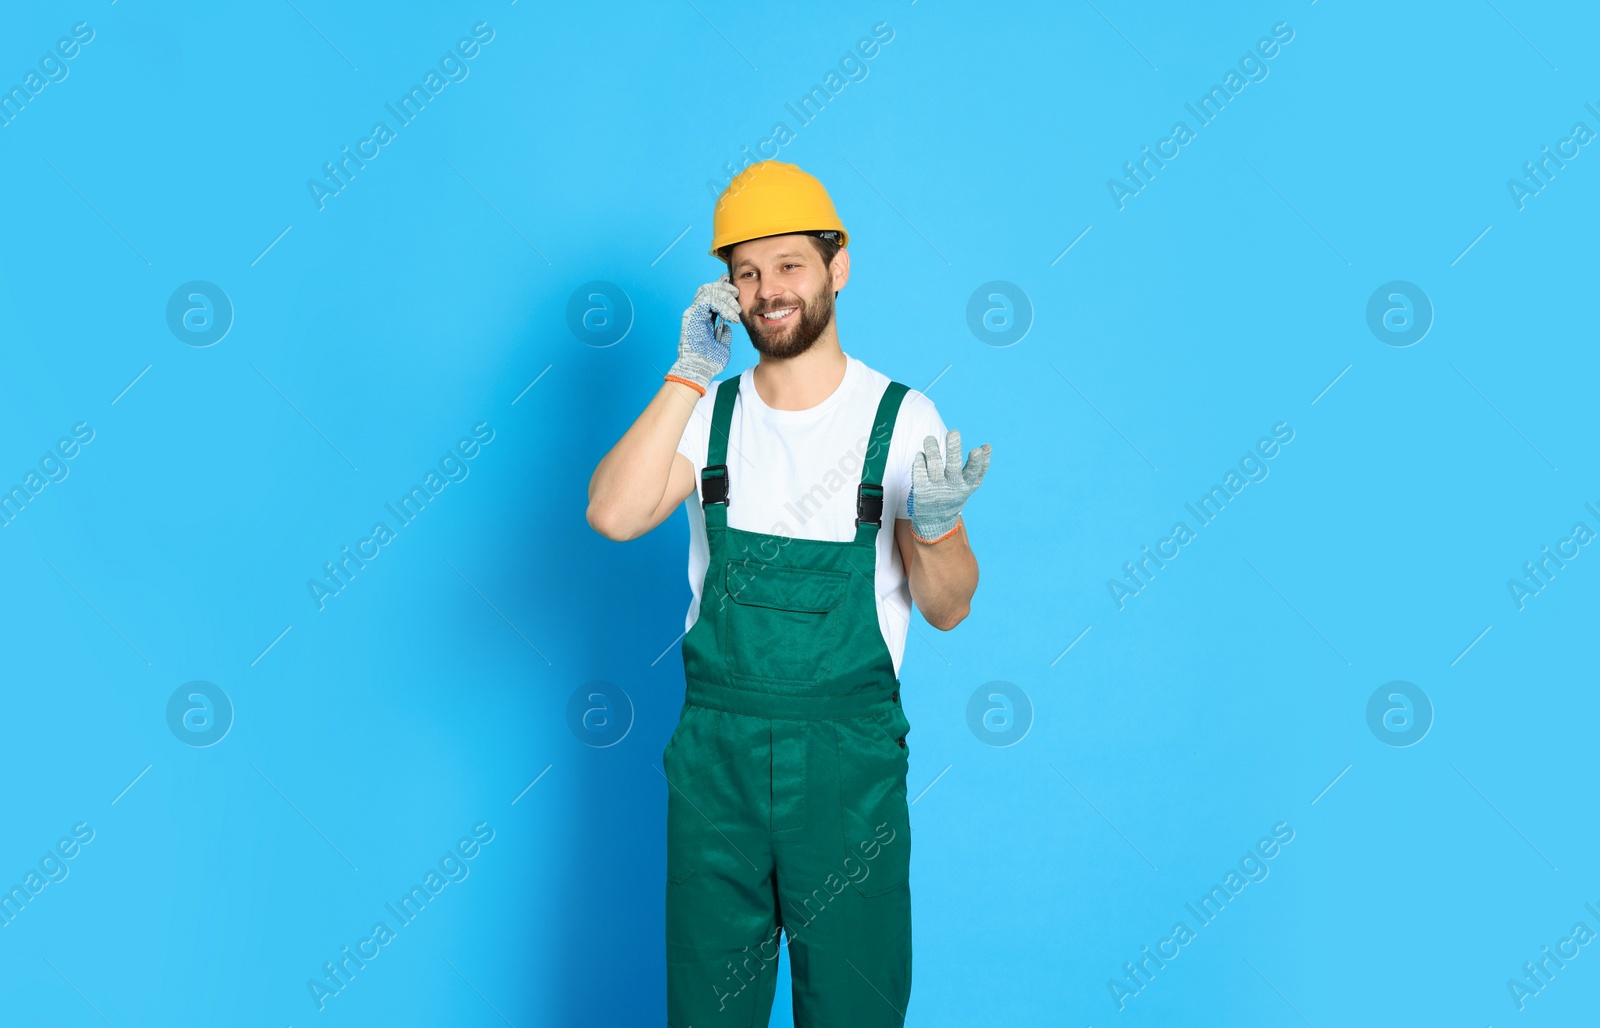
[786,774]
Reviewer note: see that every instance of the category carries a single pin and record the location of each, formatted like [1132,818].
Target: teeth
[780,315]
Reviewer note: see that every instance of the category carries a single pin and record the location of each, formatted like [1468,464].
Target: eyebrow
[777,257]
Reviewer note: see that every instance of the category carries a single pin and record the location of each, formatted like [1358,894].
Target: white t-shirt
[795,472]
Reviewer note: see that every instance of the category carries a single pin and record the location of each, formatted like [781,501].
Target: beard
[795,334]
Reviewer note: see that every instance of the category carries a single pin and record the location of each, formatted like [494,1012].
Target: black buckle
[713,487]
[869,506]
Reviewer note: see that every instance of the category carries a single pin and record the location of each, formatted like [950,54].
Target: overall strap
[714,476]
[869,494]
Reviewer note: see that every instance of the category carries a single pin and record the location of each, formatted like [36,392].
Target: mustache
[784,305]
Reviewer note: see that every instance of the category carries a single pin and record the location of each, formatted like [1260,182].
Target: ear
[840,268]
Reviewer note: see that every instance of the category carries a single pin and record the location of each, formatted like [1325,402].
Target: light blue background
[371,335]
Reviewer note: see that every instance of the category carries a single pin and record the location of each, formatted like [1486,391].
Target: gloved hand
[704,343]
[944,485]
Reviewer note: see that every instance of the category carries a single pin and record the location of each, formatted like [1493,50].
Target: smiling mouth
[779,316]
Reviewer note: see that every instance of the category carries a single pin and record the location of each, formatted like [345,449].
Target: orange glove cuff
[696,386]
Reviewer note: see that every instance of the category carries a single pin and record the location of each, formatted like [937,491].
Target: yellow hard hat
[771,198]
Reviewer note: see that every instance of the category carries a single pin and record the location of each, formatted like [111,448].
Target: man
[786,806]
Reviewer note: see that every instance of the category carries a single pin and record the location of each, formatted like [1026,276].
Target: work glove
[940,487]
[704,343]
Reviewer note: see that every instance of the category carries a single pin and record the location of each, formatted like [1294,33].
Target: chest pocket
[780,623]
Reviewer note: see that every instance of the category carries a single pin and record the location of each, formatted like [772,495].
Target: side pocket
[680,827]
[874,813]
[896,727]
[680,855]
[672,740]
[681,836]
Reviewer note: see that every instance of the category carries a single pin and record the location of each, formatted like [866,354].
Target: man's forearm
[943,576]
[630,480]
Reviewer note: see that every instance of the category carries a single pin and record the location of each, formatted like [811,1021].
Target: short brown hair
[827,244]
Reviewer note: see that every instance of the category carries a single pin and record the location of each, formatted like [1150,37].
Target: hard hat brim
[719,248]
